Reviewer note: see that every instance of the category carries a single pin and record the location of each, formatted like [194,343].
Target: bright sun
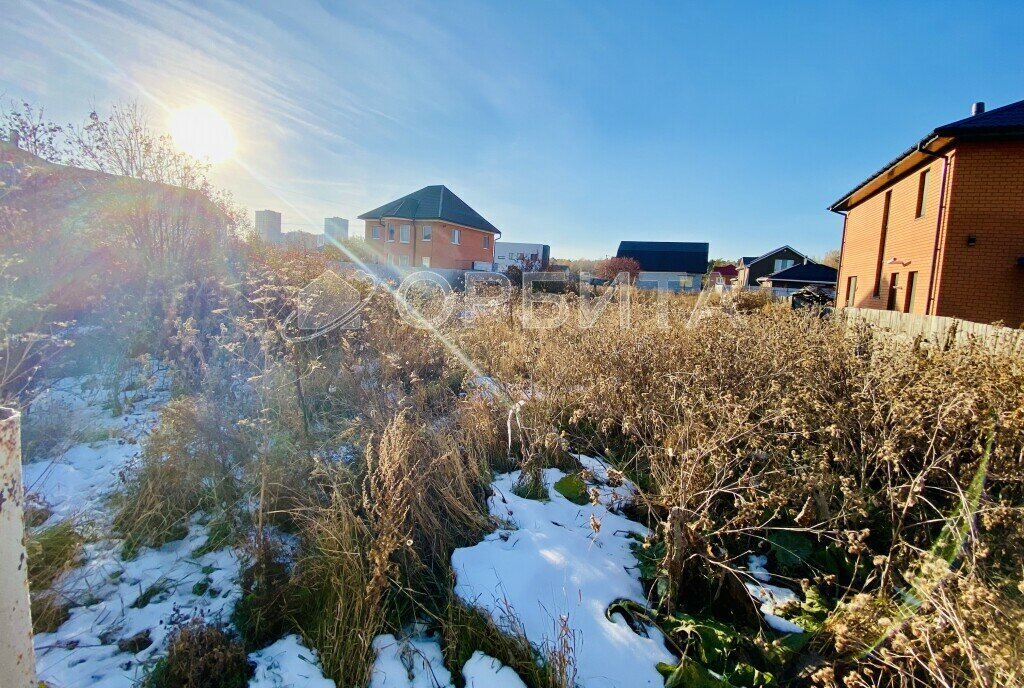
[202,132]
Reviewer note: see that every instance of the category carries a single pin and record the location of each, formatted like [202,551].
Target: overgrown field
[877,483]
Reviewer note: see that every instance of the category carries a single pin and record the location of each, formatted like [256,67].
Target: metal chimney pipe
[978,108]
[17,657]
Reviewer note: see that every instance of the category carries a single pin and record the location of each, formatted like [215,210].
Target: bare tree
[34,132]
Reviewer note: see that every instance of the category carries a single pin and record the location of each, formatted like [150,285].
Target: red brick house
[940,229]
[430,228]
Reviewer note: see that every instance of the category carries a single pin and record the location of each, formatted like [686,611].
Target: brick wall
[908,238]
[440,250]
[986,199]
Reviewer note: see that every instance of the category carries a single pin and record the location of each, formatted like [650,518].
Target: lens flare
[202,132]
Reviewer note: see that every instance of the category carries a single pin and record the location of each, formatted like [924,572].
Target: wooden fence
[940,330]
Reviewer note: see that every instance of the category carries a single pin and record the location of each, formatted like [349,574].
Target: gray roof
[805,272]
[432,203]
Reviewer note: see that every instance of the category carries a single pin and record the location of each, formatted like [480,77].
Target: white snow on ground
[111,594]
[286,664]
[551,563]
[770,597]
[484,671]
[414,662]
[417,662]
[84,652]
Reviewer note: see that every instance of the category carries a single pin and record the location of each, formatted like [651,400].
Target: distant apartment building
[268,226]
[431,228]
[530,256]
[335,229]
[940,229]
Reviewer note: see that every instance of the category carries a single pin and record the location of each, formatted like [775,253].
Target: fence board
[940,330]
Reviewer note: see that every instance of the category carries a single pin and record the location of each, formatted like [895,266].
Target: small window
[391,259]
[881,244]
[456,236]
[403,261]
[405,233]
[391,232]
[425,261]
[376,231]
[427,229]
[782,264]
[487,241]
[922,187]
[851,291]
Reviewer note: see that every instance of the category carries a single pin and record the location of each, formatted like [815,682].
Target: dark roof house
[667,256]
[802,275]
[432,203]
[752,268]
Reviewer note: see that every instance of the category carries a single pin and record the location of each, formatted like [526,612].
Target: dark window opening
[894,285]
[851,291]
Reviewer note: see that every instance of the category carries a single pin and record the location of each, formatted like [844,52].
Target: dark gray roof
[750,260]
[432,203]
[1003,120]
[667,256]
[805,272]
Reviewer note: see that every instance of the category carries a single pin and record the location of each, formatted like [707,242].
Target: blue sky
[577,124]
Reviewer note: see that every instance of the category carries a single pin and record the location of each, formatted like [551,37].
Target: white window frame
[391,259]
[403,261]
[487,241]
[375,232]
[456,236]
[427,230]
[391,232]
[784,263]
[425,261]
[405,233]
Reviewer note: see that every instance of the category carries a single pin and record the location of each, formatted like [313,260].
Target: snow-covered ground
[138,600]
[557,565]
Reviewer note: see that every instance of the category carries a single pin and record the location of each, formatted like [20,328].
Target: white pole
[17,658]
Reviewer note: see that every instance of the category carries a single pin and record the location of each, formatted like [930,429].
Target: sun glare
[202,132]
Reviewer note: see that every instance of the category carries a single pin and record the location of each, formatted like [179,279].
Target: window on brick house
[376,232]
[456,236]
[403,261]
[851,291]
[427,230]
[425,261]
[881,244]
[391,232]
[908,302]
[487,241]
[404,233]
[922,186]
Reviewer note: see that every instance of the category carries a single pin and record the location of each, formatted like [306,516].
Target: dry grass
[776,430]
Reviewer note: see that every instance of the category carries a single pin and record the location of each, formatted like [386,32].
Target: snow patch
[560,560]
[287,664]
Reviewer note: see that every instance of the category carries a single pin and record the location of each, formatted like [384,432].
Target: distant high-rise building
[268,225]
[335,228]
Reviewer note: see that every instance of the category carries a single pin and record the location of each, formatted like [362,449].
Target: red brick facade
[439,251]
[954,253]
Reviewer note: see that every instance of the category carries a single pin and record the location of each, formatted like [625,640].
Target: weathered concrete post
[17,659]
